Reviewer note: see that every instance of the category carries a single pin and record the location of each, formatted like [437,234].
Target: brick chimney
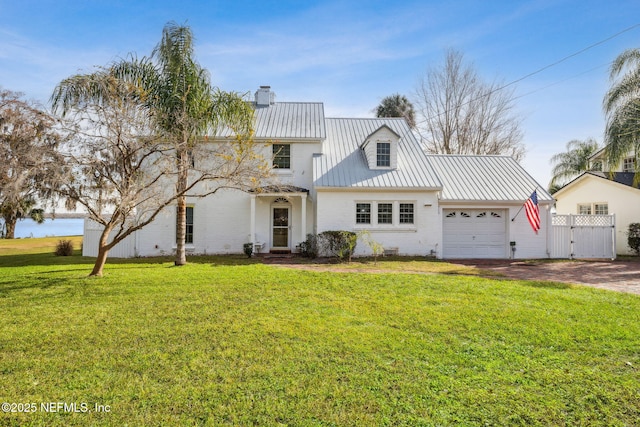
[264,96]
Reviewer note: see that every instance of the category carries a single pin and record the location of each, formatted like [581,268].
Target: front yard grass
[223,341]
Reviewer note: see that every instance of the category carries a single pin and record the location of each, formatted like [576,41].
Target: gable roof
[619,178]
[342,163]
[290,120]
[287,121]
[485,178]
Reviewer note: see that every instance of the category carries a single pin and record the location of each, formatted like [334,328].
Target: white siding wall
[337,211]
[623,201]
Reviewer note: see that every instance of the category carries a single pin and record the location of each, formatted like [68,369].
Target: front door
[280,235]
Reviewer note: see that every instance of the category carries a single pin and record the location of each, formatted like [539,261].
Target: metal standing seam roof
[485,178]
[286,121]
[290,120]
[342,164]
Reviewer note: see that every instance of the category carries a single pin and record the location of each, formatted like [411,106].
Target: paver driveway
[622,276]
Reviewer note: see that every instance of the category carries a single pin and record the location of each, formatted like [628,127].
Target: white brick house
[358,174]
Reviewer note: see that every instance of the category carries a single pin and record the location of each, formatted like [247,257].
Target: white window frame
[374,215]
[386,156]
[598,208]
[276,154]
[584,207]
[629,164]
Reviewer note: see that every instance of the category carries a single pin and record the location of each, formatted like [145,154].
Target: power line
[546,67]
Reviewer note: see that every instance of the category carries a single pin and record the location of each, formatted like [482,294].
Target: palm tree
[11,213]
[622,107]
[177,93]
[397,106]
[573,162]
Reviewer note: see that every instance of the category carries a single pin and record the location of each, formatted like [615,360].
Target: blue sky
[347,54]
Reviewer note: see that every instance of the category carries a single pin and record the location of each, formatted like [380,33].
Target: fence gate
[584,236]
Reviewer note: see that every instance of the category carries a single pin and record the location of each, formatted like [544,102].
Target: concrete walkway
[621,276]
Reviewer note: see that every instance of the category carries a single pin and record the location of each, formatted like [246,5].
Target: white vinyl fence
[583,236]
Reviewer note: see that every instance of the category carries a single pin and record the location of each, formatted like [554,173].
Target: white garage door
[475,233]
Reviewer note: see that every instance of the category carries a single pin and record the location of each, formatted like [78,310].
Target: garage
[474,233]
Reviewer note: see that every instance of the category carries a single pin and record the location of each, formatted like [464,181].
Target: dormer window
[381,148]
[383,154]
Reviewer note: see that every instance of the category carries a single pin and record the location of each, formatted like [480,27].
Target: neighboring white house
[358,174]
[594,193]
[597,193]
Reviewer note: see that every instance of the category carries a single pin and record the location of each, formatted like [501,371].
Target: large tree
[397,106]
[28,159]
[458,113]
[182,104]
[622,108]
[122,172]
[573,162]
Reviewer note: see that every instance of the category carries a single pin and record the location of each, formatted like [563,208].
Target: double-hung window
[601,208]
[385,213]
[188,238]
[383,154]
[363,213]
[282,156]
[406,213]
[584,209]
[629,164]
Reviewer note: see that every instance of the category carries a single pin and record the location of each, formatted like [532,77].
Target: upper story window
[282,156]
[383,154]
[629,164]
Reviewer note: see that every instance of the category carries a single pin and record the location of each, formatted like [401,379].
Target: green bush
[64,248]
[337,243]
[309,248]
[633,237]
[248,249]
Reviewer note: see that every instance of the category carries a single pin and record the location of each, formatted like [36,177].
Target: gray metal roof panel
[290,120]
[342,163]
[485,178]
[287,120]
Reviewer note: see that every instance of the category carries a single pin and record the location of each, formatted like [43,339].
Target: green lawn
[226,341]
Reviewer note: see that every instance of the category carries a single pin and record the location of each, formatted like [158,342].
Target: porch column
[252,229]
[303,213]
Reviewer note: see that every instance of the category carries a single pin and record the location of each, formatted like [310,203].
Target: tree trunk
[181,214]
[10,228]
[100,262]
[103,251]
[181,231]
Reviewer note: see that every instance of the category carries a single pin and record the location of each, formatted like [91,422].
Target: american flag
[532,211]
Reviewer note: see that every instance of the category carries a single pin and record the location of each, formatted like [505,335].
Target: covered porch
[279,218]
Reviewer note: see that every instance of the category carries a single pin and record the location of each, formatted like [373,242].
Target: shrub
[248,249]
[340,244]
[633,237]
[64,248]
[309,248]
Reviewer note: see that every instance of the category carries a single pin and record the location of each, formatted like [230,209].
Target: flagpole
[521,207]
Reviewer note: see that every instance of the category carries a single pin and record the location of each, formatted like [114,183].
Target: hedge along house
[359,175]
